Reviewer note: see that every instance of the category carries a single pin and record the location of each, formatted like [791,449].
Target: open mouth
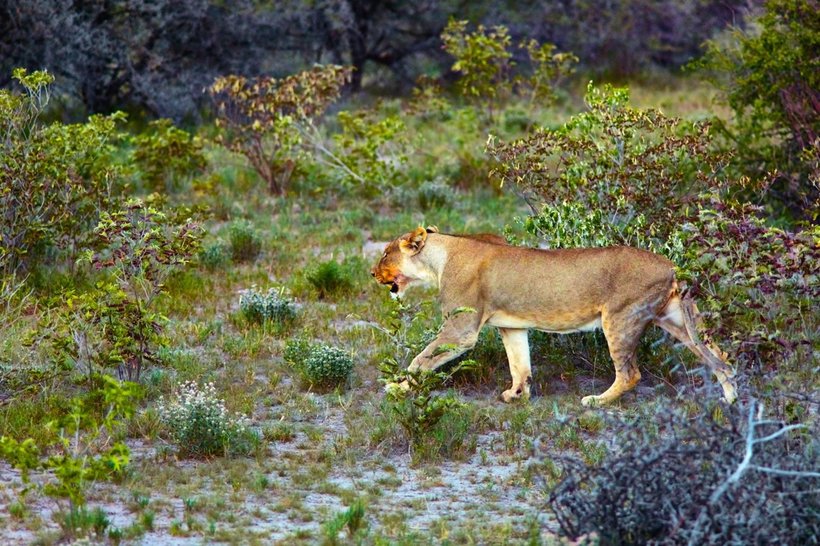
[394,288]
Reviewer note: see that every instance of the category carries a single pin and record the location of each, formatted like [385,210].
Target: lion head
[396,268]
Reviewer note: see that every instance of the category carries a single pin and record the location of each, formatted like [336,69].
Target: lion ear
[432,229]
[413,242]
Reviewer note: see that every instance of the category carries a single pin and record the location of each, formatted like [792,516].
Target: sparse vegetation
[296,400]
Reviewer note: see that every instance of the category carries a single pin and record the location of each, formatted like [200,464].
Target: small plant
[327,367]
[271,307]
[215,255]
[84,451]
[297,350]
[482,59]
[55,179]
[352,518]
[245,241]
[410,393]
[116,324]
[370,153]
[330,278]
[201,426]
[434,194]
[320,365]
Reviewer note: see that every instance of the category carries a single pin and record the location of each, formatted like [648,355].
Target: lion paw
[514,394]
[590,401]
[397,388]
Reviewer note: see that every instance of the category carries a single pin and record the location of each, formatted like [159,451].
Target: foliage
[433,194]
[620,175]
[84,451]
[54,179]
[326,367]
[271,307]
[485,64]
[410,393]
[770,75]
[762,281]
[482,58]
[370,154]
[214,255]
[352,518]
[320,365]
[116,324]
[330,278]
[166,155]
[244,240]
[635,171]
[266,119]
[707,480]
[297,351]
[548,69]
[202,427]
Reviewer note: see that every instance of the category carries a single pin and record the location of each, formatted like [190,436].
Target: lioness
[618,289]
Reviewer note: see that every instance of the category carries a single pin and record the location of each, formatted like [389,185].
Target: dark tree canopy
[157,56]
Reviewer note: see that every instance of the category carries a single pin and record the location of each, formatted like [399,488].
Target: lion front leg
[517,345]
[458,335]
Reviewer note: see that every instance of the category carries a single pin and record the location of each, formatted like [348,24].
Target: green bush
[271,307]
[84,449]
[245,241]
[320,365]
[267,120]
[327,367]
[297,351]
[166,155]
[116,324]
[55,179]
[435,194]
[200,425]
[770,77]
[330,278]
[214,256]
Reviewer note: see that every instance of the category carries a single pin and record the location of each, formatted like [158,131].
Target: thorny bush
[733,478]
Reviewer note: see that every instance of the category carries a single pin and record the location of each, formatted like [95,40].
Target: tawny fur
[619,289]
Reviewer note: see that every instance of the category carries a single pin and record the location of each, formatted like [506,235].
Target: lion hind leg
[680,319]
[517,345]
[622,335]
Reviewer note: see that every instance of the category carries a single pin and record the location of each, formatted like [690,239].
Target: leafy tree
[267,120]
[770,75]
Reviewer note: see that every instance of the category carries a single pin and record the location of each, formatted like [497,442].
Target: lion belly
[558,324]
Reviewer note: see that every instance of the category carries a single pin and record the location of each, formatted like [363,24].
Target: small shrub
[271,307]
[245,241]
[435,194]
[326,366]
[708,479]
[81,450]
[200,425]
[353,518]
[330,278]
[215,256]
[166,155]
[267,119]
[297,350]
